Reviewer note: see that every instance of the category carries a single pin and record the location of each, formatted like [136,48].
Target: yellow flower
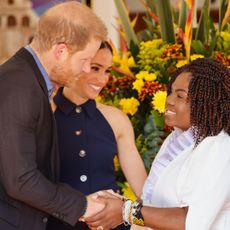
[150,77]
[159,100]
[141,75]
[128,193]
[226,39]
[131,61]
[149,50]
[116,163]
[129,105]
[138,84]
[155,43]
[225,35]
[122,61]
[124,64]
[98,99]
[195,56]
[145,75]
[181,63]
[116,58]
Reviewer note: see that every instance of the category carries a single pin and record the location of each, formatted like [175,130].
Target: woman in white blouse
[188,185]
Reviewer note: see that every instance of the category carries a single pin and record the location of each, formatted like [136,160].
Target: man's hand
[110,216]
[94,205]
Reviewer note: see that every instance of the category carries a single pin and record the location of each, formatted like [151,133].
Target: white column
[107,11]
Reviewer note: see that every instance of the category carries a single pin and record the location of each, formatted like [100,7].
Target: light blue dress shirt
[43,71]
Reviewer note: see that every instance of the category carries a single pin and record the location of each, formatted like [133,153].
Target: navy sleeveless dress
[87,148]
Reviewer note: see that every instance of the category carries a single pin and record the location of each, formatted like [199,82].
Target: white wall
[106,10]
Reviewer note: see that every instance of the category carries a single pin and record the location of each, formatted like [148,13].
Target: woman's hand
[110,216]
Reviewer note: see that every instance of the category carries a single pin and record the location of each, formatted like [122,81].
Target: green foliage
[157,52]
[130,34]
[182,15]
[222,10]
[202,33]
[164,12]
[150,140]
[223,40]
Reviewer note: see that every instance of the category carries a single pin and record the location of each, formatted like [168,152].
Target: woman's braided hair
[209,97]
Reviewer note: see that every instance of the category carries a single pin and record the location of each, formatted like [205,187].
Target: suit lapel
[23,53]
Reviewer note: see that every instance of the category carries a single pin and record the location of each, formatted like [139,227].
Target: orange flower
[187,36]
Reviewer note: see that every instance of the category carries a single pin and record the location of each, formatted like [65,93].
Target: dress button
[78,132]
[44,220]
[83,178]
[78,109]
[82,153]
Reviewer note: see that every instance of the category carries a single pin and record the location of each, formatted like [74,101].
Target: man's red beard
[61,76]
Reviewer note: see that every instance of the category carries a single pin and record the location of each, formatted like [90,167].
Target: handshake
[104,210]
[107,209]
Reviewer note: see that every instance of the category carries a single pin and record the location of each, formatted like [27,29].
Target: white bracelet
[127,208]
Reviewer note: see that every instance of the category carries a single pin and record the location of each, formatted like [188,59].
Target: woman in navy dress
[92,134]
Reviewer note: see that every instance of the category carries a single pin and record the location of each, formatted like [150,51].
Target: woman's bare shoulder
[117,119]
[110,111]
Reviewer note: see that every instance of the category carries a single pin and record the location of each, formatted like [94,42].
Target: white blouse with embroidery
[197,178]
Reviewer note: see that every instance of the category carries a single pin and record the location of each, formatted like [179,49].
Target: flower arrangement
[143,65]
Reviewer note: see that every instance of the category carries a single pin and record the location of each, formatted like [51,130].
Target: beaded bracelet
[131,213]
[126,212]
[137,217]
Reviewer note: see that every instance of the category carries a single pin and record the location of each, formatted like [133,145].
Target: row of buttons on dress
[82,153]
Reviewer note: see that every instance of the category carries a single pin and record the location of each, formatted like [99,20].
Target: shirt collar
[66,106]
[41,68]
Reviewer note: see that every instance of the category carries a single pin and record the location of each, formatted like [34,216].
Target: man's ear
[60,51]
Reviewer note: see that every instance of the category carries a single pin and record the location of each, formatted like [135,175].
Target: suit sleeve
[19,171]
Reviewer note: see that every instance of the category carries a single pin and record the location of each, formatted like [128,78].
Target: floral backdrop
[143,65]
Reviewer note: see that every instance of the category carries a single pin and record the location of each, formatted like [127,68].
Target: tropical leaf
[224,13]
[202,32]
[149,11]
[164,12]
[213,44]
[198,47]
[126,23]
[187,38]
[151,5]
[182,15]
[134,49]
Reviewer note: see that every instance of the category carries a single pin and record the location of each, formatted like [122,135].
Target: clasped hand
[106,211]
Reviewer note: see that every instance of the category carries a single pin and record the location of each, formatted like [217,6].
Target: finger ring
[100,228]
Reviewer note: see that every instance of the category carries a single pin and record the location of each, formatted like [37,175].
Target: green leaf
[145,35]
[126,24]
[164,12]
[182,15]
[202,32]
[198,47]
[213,44]
[159,119]
[150,25]
[151,5]
[134,49]
[222,10]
